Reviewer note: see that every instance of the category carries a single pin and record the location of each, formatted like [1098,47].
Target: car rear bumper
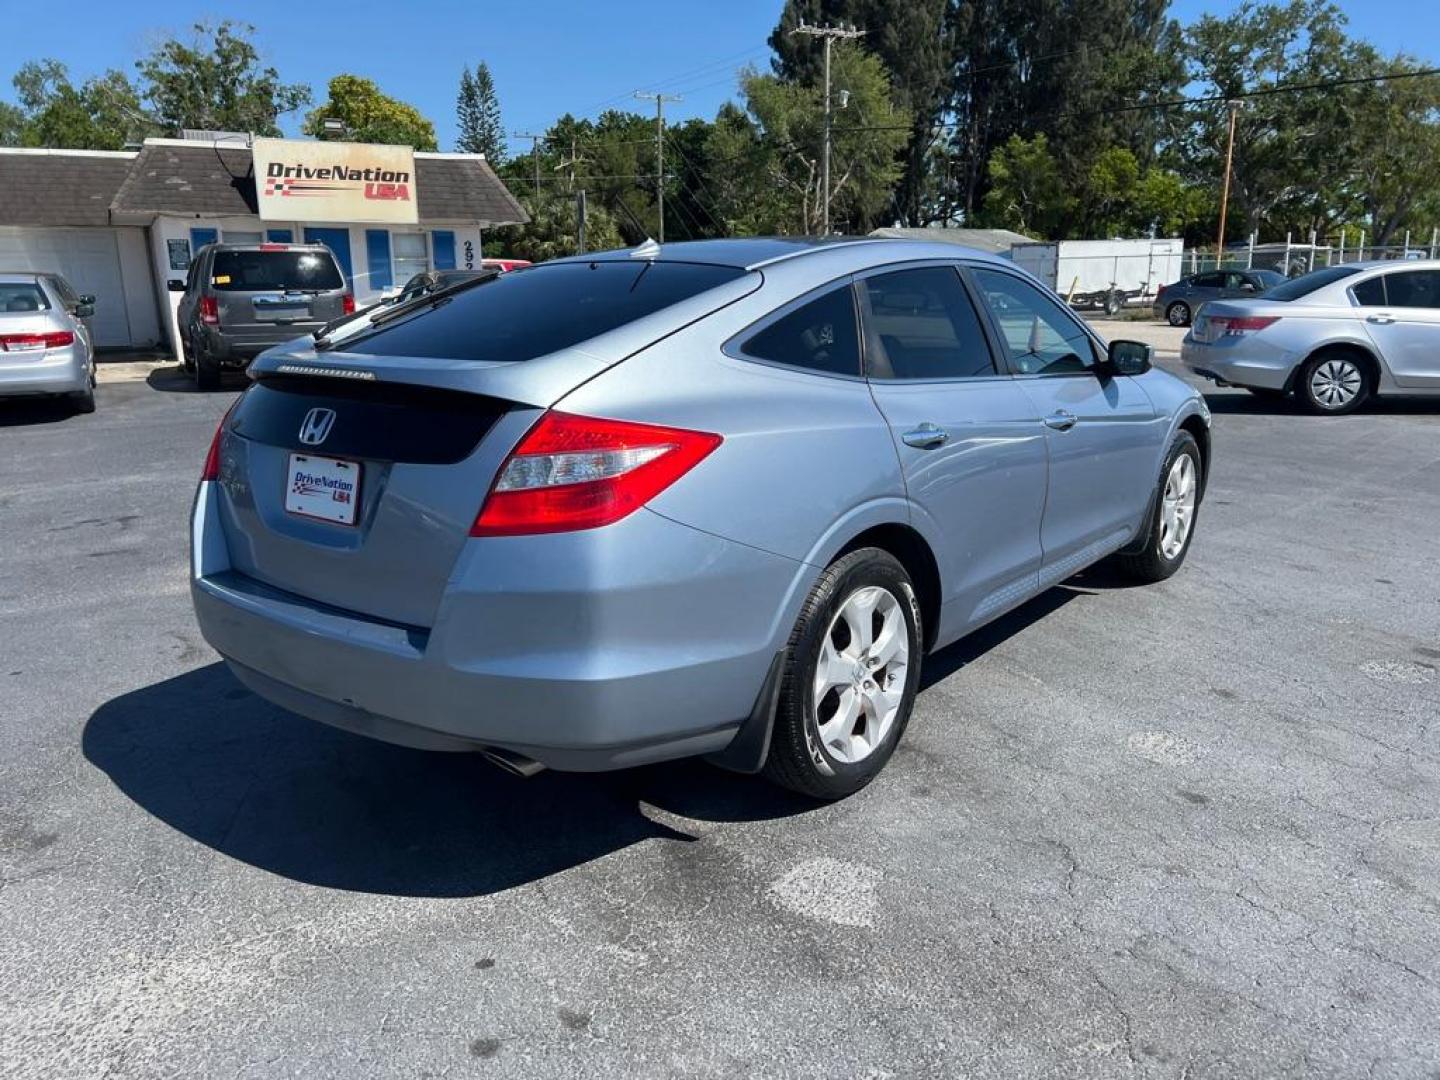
[60,371]
[550,646]
[238,347]
[1246,361]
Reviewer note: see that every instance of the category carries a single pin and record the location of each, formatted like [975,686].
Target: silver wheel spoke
[859,686]
[1178,506]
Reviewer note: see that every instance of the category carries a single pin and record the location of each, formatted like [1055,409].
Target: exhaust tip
[512,763]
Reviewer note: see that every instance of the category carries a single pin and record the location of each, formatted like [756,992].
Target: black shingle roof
[47,188]
[209,179]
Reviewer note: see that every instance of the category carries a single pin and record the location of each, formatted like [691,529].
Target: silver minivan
[240,299]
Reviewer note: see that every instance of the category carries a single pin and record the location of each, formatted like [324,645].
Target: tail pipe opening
[512,763]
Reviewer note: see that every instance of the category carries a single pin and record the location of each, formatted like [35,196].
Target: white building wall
[108,261]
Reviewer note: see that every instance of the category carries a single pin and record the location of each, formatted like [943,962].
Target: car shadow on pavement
[947,661]
[25,411]
[321,806]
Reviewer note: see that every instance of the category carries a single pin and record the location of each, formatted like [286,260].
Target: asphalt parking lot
[1188,830]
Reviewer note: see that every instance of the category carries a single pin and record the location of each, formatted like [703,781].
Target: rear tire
[207,370]
[1334,383]
[1178,314]
[84,401]
[847,694]
[1176,505]
[1113,303]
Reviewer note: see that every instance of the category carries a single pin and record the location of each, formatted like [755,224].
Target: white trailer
[1103,273]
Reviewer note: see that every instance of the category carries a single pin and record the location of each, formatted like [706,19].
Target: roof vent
[206,136]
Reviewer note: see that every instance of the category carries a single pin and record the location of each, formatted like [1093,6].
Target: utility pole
[1225,191]
[828,34]
[534,156]
[660,100]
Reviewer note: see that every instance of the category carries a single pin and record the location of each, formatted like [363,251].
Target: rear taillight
[209,311]
[53,339]
[347,304]
[1235,325]
[211,471]
[577,472]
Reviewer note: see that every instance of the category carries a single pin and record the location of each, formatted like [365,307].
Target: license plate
[323,488]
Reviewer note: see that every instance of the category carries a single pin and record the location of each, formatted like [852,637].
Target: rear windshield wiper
[409,307]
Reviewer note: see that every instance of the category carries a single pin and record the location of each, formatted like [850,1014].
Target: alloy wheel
[860,676]
[1335,383]
[1177,507]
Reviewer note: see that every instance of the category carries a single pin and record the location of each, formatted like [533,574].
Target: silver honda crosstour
[1334,337]
[714,498]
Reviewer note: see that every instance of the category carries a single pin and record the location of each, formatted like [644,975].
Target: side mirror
[1129,358]
[175,284]
[85,308]
[87,298]
[1247,286]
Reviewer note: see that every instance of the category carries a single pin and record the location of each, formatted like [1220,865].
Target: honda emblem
[315,428]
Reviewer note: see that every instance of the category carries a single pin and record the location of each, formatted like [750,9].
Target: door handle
[925,437]
[1061,420]
[1383,320]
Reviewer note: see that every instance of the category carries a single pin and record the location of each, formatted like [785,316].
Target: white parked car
[1333,337]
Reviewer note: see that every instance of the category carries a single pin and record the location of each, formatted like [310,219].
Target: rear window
[544,309]
[22,297]
[262,271]
[1304,285]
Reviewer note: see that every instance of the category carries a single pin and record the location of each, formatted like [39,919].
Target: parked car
[1333,337]
[45,342]
[717,500]
[505,266]
[1178,303]
[240,299]
[428,282]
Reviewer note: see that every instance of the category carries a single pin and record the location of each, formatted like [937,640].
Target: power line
[830,35]
[660,100]
[1179,103]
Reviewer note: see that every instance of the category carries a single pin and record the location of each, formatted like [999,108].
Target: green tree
[551,233]
[478,110]
[912,39]
[866,138]
[1028,192]
[1057,68]
[217,82]
[1393,145]
[12,124]
[102,114]
[371,116]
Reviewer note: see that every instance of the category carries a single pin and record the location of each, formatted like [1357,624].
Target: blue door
[279,236]
[338,241]
[200,237]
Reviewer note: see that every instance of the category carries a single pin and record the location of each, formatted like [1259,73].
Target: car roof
[25,275]
[268,245]
[752,253]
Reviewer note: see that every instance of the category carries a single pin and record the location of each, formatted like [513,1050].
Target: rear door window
[1413,289]
[1370,293]
[547,308]
[819,336]
[1208,281]
[921,325]
[275,271]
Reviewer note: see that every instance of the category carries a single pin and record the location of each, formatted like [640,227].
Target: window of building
[239,236]
[819,335]
[408,255]
[920,324]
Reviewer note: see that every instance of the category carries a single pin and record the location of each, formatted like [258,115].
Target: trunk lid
[418,483]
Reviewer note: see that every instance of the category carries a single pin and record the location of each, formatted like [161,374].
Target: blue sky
[547,57]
